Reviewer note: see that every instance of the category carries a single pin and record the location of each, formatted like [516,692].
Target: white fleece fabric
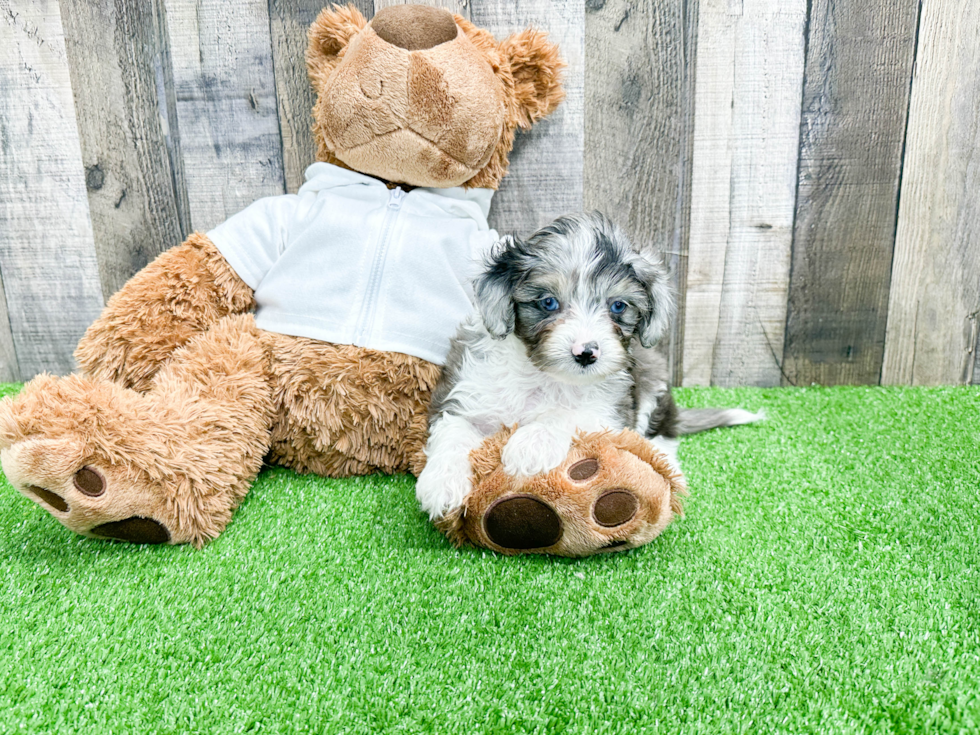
[348,261]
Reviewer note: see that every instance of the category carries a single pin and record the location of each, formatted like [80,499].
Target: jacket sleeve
[252,240]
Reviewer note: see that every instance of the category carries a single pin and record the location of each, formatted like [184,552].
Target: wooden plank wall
[808,167]
[51,283]
[855,107]
[746,128]
[639,83]
[934,301]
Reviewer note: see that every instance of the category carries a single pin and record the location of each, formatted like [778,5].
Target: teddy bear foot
[94,499]
[106,463]
[613,492]
[45,457]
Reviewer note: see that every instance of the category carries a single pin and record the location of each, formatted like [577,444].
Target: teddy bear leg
[166,466]
[181,294]
[348,410]
[611,493]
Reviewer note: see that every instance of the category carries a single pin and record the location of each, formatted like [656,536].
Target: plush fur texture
[180,396]
[176,297]
[182,454]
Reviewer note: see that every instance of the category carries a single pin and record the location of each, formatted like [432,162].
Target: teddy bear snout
[414,27]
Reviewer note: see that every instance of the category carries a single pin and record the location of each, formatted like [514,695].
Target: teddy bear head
[421,97]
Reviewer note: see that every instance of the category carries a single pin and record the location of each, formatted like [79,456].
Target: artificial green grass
[825,579]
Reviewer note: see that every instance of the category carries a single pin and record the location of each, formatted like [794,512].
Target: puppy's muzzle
[586,354]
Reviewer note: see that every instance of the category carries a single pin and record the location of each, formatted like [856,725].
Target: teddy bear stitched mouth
[485,156]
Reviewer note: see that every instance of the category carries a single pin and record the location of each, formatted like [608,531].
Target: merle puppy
[564,342]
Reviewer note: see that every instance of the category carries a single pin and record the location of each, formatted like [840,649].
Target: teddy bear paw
[612,493]
[529,521]
[95,500]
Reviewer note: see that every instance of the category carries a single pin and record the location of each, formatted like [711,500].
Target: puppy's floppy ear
[329,35]
[536,68]
[655,319]
[494,288]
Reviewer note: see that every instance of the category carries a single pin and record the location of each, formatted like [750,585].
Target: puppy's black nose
[585,354]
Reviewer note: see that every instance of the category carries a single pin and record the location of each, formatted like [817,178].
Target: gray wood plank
[226,108]
[855,104]
[460,7]
[746,133]
[9,367]
[639,120]
[113,53]
[545,178]
[935,289]
[976,348]
[47,254]
[290,21]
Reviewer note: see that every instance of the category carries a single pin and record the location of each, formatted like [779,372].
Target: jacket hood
[453,202]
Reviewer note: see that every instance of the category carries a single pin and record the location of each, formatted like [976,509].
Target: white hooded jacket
[346,260]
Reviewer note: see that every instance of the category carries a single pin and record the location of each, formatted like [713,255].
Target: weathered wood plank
[545,178]
[460,7]
[710,188]
[290,20]
[113,53]
[855,105]
[639,117]
[935,290]
[976,349]
[230,146]
[47,255]
[746,130]
[9,367]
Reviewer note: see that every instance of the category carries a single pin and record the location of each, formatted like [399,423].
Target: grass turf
[825,579]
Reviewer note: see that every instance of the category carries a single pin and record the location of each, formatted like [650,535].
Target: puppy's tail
[693,420]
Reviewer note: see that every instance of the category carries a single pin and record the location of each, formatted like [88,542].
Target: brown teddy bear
[356,283]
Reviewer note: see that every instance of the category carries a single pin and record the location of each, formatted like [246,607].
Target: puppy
[563,342]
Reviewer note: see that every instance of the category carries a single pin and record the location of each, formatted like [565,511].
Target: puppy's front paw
[534,449]
[442,488]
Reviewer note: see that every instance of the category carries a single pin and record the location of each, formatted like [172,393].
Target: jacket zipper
[369,307]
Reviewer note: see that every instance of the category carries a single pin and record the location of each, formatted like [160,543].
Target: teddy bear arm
[180,294]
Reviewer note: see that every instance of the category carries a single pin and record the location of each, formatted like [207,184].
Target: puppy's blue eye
[549,304]
[617,307]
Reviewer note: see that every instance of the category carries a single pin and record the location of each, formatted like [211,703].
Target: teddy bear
[309,329]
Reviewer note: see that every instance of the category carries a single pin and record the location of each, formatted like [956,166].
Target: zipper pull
[395,198]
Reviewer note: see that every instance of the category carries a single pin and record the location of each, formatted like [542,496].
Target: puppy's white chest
[522,396]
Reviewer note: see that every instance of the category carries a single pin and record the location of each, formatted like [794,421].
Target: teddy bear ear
[330,34]
[536,67]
